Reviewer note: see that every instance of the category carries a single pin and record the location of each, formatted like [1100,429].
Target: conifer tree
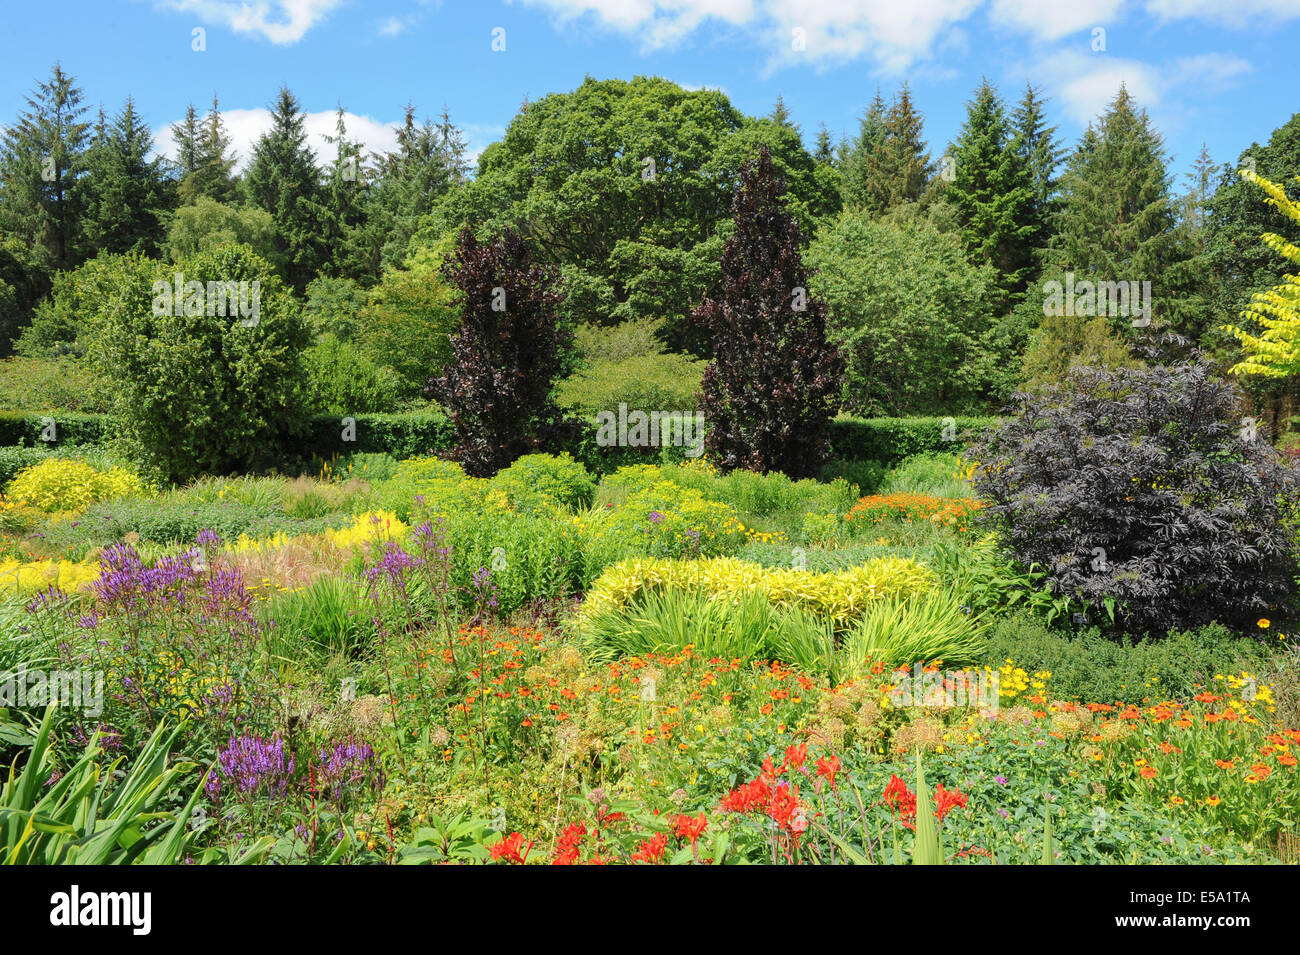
[42,159]
[127,194]
[344,202]
[992,193]
[212,174]
[1038,148]
[283,180]
[781,116]
[824,152]
[855,153]
[1116,216]
[186,136]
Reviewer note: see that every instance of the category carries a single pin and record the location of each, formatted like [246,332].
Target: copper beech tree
[506,355]
[774,383]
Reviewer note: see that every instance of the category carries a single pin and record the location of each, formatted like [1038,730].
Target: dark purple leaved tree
[506,354]
[774,383]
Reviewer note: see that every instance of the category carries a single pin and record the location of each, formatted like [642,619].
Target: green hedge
[403,435]
[889,440]
[28,427]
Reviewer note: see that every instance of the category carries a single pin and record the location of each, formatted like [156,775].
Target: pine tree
[283,180]
[773,386]
[42,158]
[127,193]
[993,194]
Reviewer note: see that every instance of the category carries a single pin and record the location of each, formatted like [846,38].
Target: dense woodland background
[931,259]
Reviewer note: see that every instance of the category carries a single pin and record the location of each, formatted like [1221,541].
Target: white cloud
[392,26]
[1085,84]
[659,23]
[894,34]
[1208,71]
[1051,21]
[1232,13]
[283,22]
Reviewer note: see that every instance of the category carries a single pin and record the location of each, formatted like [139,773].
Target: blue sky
[1212,70]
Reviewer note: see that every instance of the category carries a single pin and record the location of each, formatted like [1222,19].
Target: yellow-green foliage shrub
[70,485]
[546,481]
[445,488]
[668,520]
[25,576]
[841,596]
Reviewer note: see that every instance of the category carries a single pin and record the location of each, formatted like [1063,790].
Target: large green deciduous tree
[910,314]
[626,187]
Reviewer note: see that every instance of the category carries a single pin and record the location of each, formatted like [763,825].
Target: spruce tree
[824,152]
[186,136]
[428,161]
[772,387]
[212,174]
[127,194]
[344,202]
[1039,149]
[855,154]
[42,159]
[992,194]
[781,116]
[1116,216]
[283,180]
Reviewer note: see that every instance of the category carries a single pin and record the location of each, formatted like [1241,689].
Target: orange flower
[1148,772]
[1212,800]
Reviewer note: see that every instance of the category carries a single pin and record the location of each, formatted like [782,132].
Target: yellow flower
[1262,623]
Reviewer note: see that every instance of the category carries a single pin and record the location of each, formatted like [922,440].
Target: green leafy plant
[88,816]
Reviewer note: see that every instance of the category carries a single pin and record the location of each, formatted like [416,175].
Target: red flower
[899,798]
[688,827]
[508,848]
[947,800]
[566,850]
[652,849]
[827,768]
[794,757]
[785,801]
[751,796]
